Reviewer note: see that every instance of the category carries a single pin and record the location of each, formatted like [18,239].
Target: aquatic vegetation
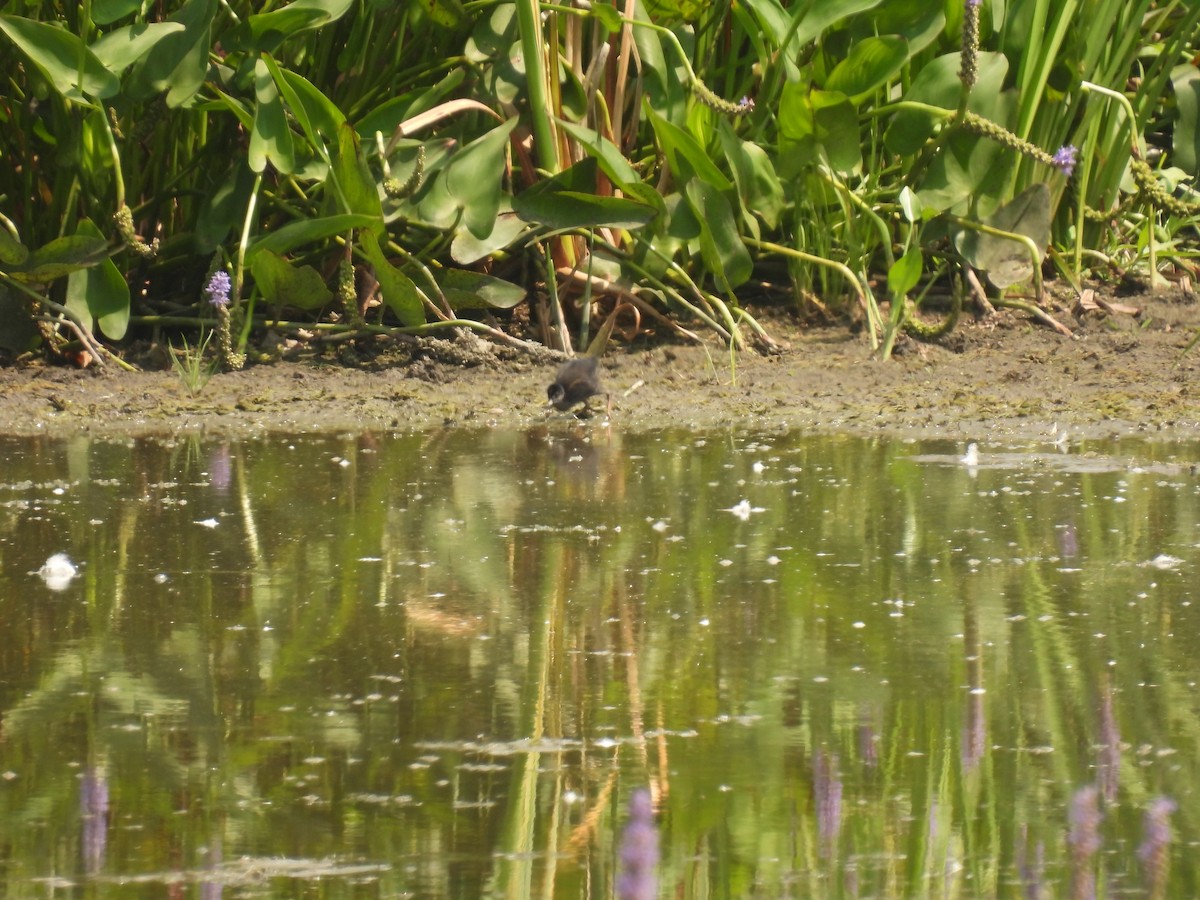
[374,169]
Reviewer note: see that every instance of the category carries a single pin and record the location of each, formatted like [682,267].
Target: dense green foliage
[662,157]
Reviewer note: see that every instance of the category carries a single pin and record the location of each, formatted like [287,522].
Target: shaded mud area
[1003,376]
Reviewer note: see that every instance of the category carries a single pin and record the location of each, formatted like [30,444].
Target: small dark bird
[576,381]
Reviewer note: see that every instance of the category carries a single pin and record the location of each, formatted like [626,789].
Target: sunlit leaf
[685,157]
[721,245]
[758,185]
[105,12]
[938,84]
[307,231]
[467,249]
[399,292]
[824,13]
[66,62]
[905,273]
[318,116]
[286,284]
[475,290]
[60,257]
[12,251]
[470,184]
[355,185]
[569,200]
[99,293]
[268,30]
[1185,140]
[871,63]
[178,63]
[817,124]
[120,49]
[270,137]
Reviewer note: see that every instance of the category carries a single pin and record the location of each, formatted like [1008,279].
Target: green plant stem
[869,305]
[534,50]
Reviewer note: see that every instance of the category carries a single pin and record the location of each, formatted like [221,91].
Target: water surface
[438,665]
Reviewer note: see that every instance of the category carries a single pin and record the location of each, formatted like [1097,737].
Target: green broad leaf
[773,20]
[910,205]
[285,284]
[758,185]
[824,13]
[66,62]
[572,209]
[872,63]
[399,292]
[270,138]
[178,64]
[12,251]
[938,84]
[60,257]
[120,49]
[99,293]
[1006,261]
[569,200]
[470,184]
[612,161]
[270,29]
[685,10]
[608,17]
[725,256]
[1185,142]
[307,231]
[18,331]
[816,124]
[466,249]
[474,290]
[685,157]
[318,116]
[444,13]
[905,273]
[105,12]
[355,186]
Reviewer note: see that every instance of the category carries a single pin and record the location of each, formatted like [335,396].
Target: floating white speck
[208,523]
[1165,561]
[57,572]
[860,625]
[758,468]
[773,560]
[659,526]
[743,510]
[971,457]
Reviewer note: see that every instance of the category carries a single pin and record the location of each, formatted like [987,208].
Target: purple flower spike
[639,851]
[1065,158]
[218,288]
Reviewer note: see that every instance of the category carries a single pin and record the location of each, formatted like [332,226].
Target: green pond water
[439,665]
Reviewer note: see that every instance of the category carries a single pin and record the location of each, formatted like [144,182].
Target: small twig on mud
[82,333]
[1038,313]
[980,295]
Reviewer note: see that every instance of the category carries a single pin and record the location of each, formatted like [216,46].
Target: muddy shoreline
[1003,376]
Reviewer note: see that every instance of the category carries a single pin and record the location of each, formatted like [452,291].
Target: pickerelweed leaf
[99,293]
[286,284]
[307,231]
[399,292]
[1005,260]
[475,290]
[725,254]
[270,137]
[12,251]
[120,49]
[66,62]
[60,257]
